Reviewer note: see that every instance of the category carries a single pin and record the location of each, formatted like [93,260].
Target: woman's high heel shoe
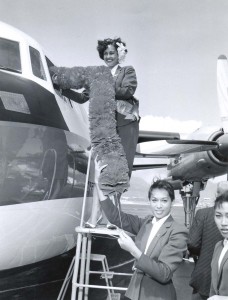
[111,226]
[90,225]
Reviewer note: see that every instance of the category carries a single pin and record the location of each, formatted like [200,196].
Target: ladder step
[108,276]
[98,230]
[114,296]
[97,257]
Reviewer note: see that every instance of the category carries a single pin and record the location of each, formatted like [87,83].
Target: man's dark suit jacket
[152,279]
[203,236]
[219,277]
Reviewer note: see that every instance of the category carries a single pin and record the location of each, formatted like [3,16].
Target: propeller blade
[148,166]
[148,136]
[211,144]
[151,155]
[222,86]
[182,147]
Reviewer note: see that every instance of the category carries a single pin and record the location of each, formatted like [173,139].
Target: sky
[172,44]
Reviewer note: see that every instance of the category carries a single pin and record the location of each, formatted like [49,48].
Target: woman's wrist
[136,252]
[101,195]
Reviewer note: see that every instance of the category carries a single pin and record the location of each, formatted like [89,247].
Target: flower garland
[122,51]
[105,141]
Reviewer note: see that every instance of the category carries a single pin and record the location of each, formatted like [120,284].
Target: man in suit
[219,264]
[203,236]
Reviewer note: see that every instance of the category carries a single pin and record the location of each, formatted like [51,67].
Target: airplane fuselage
[44,140]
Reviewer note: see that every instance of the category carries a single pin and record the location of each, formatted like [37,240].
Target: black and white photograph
[113,150]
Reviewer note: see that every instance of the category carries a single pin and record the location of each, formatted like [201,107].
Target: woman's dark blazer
[125,86]
[219,277]
[152,278]
[128,129]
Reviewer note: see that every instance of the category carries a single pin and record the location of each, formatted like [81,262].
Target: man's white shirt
[225,248]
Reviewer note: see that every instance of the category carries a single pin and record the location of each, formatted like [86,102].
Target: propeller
[222,91]
[222,86]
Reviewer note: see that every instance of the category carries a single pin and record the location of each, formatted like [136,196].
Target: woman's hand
[128,244]
[98,169]
[53,71]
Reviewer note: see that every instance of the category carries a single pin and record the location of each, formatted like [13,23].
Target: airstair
[79,270]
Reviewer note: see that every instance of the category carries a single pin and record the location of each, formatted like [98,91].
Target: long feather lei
[105,141]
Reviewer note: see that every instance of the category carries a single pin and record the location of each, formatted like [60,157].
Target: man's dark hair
[220,199]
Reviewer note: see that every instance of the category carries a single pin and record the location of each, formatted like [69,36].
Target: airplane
[44,153]
[203,156]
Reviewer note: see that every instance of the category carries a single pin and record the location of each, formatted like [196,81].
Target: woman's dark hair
[220,199]
[162,184]
[103,44]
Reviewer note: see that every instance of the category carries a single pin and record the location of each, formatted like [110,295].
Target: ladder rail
[104,287]
[110,273]
[76,266]
[82,267]
[88,255]
[85,191]
[66,280]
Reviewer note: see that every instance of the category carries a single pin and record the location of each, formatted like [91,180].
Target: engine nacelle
[202,165]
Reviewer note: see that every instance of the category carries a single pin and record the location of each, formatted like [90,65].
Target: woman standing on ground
[159,245]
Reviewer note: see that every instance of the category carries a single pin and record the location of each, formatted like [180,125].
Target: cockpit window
[10,55]
[37,65]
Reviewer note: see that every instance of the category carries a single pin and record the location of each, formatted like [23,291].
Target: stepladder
[80,270]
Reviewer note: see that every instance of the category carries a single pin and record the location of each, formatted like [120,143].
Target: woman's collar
[113,70]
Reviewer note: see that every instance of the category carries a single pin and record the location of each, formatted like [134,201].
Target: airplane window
[10,55]
[38,163]
[37,66]
[49,62]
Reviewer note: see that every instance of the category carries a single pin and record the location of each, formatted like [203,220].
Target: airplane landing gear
[190,203]
[190,196]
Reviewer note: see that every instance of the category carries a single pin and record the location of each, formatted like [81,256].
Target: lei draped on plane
[105,141]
